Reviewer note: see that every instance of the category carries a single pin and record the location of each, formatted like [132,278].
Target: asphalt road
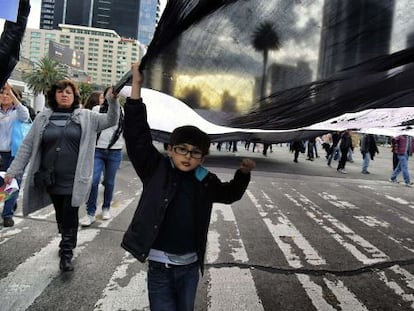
[303,237]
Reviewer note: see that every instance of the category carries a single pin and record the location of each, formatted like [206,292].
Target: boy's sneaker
[87,220]
[105,214]
[410,184]
[393,180]
[8,222]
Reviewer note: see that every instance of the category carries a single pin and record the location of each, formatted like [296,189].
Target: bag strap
[118,131]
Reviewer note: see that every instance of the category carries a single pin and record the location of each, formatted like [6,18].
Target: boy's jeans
[172,288]
[8,209]
[106,161]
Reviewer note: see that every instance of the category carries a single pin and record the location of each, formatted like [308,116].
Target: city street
[303,237]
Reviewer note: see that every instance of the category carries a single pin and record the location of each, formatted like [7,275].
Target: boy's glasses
[196,154]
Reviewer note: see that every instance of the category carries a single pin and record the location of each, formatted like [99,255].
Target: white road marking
[346,299]
[344,235]
[395,287]
[229,288]
[119,295]
[232,289]
[23,285]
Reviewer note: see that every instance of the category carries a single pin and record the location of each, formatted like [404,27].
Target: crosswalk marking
[397,288]
[21,286]
[234,287]
[130,296]
[344,235]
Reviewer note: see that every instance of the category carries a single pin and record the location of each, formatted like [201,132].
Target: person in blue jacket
[170,225]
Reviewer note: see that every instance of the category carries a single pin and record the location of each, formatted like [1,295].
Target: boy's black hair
[192,135]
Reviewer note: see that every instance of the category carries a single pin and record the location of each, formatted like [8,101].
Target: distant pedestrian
[296,147]
[311,148]
[334,149]
[345,145]
[404,149]
[368,150]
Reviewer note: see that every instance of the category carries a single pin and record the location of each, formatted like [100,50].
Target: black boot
[68,243]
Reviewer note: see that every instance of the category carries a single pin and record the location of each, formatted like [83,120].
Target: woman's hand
[8,179]
[7,90]
[111,95]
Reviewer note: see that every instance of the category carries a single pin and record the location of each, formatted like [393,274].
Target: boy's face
[186,157]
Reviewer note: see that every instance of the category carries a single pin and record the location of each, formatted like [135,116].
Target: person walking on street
[368,150]
[394,150]
[344,145]
[334,148]
[170,225]
[108,157]
[11,110]
[60,149]
[296,147]
[404,150]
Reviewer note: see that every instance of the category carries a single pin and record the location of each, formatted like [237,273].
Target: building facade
[149,15]
[353,32]
[107,55]
[122,16]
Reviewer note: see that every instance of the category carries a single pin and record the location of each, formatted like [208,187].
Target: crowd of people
[340,146]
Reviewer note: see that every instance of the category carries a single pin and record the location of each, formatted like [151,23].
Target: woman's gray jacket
[29,152]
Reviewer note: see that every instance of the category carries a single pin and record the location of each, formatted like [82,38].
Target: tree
[85,89]
[47,71]
[264,39]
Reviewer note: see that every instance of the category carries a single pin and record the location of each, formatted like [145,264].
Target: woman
[62,141]
[108,156]
[96,98]
[11,109]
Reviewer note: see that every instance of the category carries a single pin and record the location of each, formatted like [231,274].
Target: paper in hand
[7,191]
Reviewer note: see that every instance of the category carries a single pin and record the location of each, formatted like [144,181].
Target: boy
[170,225]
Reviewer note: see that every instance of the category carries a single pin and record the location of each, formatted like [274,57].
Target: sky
[34,16]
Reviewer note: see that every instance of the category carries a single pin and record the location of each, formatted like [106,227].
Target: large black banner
[283,64]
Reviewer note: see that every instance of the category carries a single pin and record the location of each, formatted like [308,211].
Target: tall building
[353,32]
[118,15]
[106,56]
[149,15]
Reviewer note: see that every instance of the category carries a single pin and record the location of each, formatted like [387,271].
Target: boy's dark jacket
[160,182]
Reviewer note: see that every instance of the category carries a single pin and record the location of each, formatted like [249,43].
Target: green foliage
[85,89]
[47,71]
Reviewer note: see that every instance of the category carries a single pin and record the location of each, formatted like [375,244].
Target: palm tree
[47,72]
[264,39]
[85,89]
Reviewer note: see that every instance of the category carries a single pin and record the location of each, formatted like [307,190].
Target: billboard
[65,55]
